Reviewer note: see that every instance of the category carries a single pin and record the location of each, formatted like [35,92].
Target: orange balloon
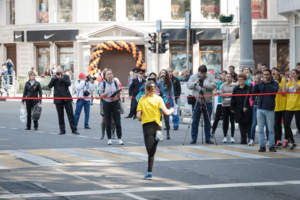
[99,79]
[143,67]
[138,62]
[98,45]
[94,62]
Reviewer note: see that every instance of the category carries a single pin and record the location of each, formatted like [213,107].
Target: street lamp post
[246,43]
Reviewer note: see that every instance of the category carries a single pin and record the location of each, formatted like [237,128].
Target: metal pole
[157,47]
[227,41]
[187,48]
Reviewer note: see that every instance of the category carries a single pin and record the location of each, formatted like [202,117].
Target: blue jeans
[86,104]
[269,117]
[254,123]
[196,119]
[175,117]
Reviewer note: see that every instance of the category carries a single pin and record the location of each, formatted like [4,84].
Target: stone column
[246,43]
[86,57]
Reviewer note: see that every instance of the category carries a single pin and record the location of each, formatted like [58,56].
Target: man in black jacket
[134,90]
[177,91]
[61,85]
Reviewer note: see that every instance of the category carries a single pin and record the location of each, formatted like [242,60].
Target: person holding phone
[111,106]
[149,105]
[61,84]
[166,88]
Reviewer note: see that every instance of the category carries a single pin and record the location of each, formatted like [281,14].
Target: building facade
[291,10]
[40,33]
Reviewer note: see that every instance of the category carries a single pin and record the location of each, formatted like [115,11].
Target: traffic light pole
[188,49]
[157,47]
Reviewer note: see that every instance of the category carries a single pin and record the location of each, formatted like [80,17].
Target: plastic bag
[36,112]
[23,114]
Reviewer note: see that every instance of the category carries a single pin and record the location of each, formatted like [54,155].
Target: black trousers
[29,105]
[133,107]
[149,130]
[218,117]
[277,125]
[112,108]
[69,110]
[226,114]
[287,124]
[245,128]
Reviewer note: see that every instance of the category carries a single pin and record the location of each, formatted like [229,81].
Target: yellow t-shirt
[150,107]
[280,101]
[293,100]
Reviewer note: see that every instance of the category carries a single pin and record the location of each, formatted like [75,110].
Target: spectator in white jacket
[83,92]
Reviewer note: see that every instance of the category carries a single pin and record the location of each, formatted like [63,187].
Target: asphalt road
[44,165]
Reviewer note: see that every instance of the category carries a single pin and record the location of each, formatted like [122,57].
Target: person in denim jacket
[166,88]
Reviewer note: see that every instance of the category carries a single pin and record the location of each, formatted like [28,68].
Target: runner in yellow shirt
[292,106]
[149,105]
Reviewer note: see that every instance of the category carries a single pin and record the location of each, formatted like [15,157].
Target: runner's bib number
[292,89]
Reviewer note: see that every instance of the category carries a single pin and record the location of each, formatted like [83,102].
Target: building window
[179,7]
[43,59]
[66,60]
[259,9]
[211,56]
[65,11]
[10,14]
[107,10]
[135,10]
[297,38]
[42,11]
[210,9]
[179,58]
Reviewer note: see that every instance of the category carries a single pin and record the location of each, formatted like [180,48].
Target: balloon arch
[120,45]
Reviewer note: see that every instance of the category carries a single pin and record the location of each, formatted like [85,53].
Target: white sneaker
[250,143]
[232,140]
[121,142]
[109,142]
[225,140]
[267,143]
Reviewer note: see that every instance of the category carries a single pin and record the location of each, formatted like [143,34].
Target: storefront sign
[158,26]
[55,35]
[201,34]
[187,24]
[19,36]
[43,81]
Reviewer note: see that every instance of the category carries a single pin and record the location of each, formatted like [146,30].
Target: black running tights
[149,130]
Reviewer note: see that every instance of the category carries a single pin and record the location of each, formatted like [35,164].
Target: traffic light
[153,42]
[162,46]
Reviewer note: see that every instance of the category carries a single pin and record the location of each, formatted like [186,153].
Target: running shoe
[159,136]
[267,143]
[109,142]
[285,144]
[293,146]
[232,140]
[250,143]
[278,144]
[148,176]
[225,140]
[121,142]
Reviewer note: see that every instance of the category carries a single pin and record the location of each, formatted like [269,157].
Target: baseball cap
[82,75]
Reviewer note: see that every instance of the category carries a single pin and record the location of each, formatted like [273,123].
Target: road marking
[105,186]
[13,128]
[129,153]
[132,143]
[40,131]
[2,127]
[82,136]
[233,153]
[85,156]
[153,189]
[186,154]
[33,158]
[256,148]
[3,167]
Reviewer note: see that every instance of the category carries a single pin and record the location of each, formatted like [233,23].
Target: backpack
[104,84]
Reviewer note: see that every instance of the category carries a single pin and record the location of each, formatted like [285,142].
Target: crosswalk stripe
[233,153]
[187,154]
[85,156]
[61,157]
[33,158]
[3,167]
[129,153]
[278,151]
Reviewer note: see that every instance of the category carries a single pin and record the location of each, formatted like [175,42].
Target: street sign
[187,24]
[158,26]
